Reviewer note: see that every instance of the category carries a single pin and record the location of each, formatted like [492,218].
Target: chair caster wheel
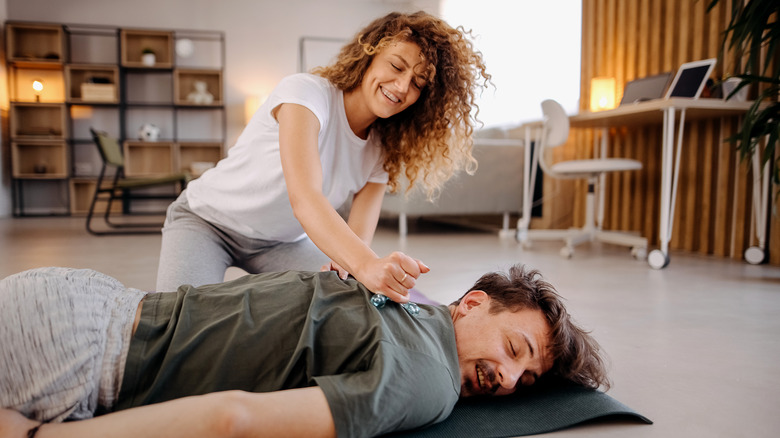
[567,252]
[657,259]
[639,253]
[755,255]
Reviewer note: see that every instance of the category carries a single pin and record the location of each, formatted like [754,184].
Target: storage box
[98,92]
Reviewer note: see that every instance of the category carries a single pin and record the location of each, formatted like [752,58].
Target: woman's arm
[300,412]
[363,218]
[298,129]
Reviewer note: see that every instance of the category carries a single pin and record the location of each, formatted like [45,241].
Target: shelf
[39,159]
[145,158]
[92,84]
[82,190]
[38,121]
[197,87]
[135,42]
[21,79]
[196,157]
[35,43]
[94,76]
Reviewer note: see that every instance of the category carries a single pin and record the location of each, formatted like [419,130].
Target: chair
[555,132]
[118,187]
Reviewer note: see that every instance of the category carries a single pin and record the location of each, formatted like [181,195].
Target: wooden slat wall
[713,214]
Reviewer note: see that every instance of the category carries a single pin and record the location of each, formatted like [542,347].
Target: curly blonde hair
[432,139]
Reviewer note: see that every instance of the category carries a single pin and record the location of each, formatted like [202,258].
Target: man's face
[499,351]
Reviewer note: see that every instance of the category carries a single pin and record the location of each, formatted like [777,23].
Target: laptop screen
[647,88]
[691,78]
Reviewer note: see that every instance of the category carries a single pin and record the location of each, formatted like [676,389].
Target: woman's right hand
[391,276]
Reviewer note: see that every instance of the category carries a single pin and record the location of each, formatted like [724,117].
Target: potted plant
[753,33]
[148,58]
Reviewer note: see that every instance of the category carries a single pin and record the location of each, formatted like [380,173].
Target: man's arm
[300,412]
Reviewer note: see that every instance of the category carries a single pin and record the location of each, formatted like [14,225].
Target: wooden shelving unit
[39,159]
[92,84]
[197,87]
[136,42]
[97,77]
[147,158]
[35,43]
[195,157]
[38,121]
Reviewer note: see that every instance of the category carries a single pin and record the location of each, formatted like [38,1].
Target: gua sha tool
[379,300]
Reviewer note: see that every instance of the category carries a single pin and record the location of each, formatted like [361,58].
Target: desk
[666,112]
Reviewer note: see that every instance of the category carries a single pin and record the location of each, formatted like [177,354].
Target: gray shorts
[64,335]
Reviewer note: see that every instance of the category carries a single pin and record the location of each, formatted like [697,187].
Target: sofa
[496,188]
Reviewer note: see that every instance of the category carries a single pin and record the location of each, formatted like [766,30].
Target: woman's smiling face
[394,80]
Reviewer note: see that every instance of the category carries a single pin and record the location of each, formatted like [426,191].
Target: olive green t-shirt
[381,369]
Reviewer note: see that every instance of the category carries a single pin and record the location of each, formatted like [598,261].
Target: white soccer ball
[148,132]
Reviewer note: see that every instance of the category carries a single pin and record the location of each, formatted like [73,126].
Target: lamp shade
[602,93]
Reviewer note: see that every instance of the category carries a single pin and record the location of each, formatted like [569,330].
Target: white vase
[148,59]
[730,85]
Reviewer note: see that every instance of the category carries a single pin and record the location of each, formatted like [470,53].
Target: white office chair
[555,131]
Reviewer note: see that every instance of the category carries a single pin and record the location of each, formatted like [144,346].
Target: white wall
[261,36]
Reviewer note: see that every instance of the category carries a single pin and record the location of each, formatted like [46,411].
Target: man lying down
[280,354]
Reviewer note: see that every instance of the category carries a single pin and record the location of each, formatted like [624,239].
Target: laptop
[647,88]
[691,78]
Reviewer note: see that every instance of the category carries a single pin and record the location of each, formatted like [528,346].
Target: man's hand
[391,276]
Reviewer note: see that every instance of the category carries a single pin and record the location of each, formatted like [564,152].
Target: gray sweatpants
[197,252]
[64,335]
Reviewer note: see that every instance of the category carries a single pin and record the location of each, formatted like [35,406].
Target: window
[532,49]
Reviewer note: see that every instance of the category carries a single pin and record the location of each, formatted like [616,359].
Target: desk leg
[659,258]
[757,254]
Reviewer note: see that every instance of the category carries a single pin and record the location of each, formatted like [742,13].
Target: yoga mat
[551,404]
[545,407]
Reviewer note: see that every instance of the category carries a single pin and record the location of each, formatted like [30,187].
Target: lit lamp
[251,104]
[602,93]
[38,88]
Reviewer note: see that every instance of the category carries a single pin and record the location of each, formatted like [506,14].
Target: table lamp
[602,93]
[38,88]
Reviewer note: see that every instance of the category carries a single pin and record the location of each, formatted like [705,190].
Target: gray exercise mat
[546,407]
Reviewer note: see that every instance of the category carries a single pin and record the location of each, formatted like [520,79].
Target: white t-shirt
[246,191]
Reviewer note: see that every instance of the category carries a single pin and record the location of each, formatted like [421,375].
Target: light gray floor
[695,347]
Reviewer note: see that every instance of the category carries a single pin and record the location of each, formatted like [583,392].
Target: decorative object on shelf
[198,167]
[41,167]
[149,132]
[184,48]
[201,95]
[602,93]
[38,88]
[148,58]
[98,89]
[731,84]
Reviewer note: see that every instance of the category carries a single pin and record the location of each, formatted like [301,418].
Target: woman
[397,102]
